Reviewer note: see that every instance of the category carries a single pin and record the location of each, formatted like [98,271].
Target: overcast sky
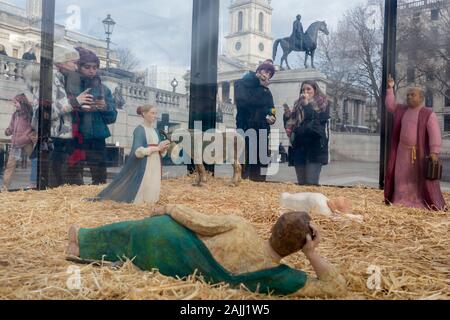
[159,31]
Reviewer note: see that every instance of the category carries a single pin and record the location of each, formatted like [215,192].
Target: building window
[240,21]
[219,115]
[447,123]
[430,76]
[261,22]
[226,92]
[447,98]
[429,99]
[411,75]
[435,13]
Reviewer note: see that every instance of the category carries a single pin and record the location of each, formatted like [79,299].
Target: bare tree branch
[128,61]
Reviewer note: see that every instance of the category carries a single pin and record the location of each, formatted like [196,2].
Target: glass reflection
[20,52]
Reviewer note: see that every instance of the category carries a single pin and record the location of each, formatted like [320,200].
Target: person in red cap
[255,107]
[95,109]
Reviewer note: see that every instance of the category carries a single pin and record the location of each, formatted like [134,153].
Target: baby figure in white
[317,203]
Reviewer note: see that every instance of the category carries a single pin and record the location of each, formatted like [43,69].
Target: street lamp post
[174,84]
[109,24]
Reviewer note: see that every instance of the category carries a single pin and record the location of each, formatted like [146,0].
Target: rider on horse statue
[298,35]
[300,41]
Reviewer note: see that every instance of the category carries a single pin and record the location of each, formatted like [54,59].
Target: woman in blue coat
[139,181]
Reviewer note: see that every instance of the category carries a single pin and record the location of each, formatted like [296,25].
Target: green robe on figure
[164,244]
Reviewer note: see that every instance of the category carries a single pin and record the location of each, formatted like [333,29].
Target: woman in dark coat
[255,105]
[308,129]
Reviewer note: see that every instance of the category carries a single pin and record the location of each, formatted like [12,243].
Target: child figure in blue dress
[139,181]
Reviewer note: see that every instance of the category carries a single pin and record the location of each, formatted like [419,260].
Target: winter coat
[20,129]
[254,102]
[93,125]
[310,140]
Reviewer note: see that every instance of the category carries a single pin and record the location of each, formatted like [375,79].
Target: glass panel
[347,69]
[143,54]
[423,61]
[20,53]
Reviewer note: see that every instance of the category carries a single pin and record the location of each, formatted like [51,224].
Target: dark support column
[45,90]
[389,59]
[204,58]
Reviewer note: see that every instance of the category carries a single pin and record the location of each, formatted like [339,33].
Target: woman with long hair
[21,134]
[308,130]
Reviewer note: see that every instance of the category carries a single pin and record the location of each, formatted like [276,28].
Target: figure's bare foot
[73,249]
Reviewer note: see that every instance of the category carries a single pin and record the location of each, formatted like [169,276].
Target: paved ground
[338,173]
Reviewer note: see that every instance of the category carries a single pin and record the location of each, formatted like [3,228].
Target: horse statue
[309,44]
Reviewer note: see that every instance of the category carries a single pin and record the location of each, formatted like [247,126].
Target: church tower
[250,30]
[34,9]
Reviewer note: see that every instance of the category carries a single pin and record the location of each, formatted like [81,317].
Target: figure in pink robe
[416,136]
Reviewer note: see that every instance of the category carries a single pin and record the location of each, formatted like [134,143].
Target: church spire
[250,31]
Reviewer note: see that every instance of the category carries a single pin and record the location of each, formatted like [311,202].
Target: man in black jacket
[30,55]
[255,106]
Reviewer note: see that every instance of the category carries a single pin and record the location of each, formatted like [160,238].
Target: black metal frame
[45,91]
[204,65]
[389,60]
[204,60]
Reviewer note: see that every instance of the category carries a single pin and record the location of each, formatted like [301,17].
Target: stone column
[20,67]
[11,69]
[361,114]
[363,111]
[3,66]
[220,92]
[232,92]
[350,112]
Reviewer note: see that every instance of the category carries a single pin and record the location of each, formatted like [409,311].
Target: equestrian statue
[300,42]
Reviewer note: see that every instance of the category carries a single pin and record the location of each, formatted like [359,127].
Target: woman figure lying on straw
[178,241]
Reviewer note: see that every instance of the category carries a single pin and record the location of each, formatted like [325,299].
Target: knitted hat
[267,66]
[63,54]
[87,56]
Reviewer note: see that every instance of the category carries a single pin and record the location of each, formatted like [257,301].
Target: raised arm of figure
[391,103]
[329,283]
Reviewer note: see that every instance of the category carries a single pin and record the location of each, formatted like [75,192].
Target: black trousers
[2,160]
[96,160]
[253,166]
[60,172]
